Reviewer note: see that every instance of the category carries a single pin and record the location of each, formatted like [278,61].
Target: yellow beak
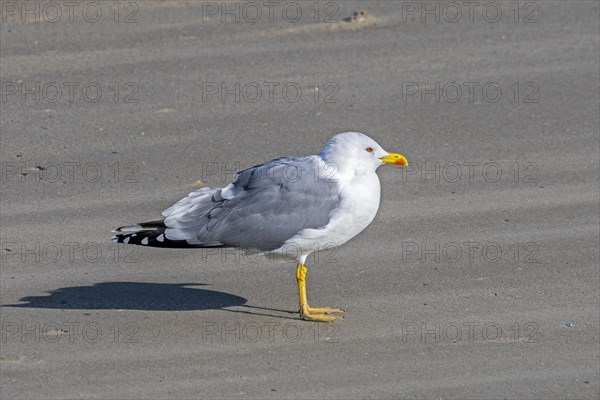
[394,158]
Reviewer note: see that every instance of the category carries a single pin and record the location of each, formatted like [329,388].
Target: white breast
[360,202]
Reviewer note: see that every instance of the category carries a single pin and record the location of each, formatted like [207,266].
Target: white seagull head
[357,151]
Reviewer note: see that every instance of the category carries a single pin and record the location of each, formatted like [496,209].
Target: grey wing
[187,219]
[265,205]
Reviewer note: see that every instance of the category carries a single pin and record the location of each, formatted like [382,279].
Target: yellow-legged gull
[304,203]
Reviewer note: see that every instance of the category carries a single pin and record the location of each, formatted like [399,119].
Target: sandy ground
[479,277]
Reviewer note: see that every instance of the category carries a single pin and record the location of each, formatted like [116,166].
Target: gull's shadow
[134,296]
[141,296]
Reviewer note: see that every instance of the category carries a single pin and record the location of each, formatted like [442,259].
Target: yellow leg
[309,313]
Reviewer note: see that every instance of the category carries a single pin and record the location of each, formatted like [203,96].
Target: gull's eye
[369,149]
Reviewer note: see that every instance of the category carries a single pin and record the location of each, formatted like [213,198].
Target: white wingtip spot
[160,238]
[126,240]
[145,241]
[128,229]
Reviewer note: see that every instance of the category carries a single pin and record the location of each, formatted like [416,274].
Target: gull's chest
[360,200]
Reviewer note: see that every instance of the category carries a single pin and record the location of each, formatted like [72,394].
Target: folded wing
[264,206]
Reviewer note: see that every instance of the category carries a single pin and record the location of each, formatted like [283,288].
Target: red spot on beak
[400,162]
